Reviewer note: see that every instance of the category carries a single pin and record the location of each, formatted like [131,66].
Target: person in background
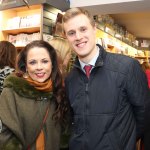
[146,69]
[8,55]
[145,142]
[108,101]
[63,50]
[33,105]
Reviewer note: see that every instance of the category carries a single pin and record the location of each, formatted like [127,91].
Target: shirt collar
[92,62]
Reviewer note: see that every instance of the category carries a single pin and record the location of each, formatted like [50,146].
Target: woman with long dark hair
[33,103]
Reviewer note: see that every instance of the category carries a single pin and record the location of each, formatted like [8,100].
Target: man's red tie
[87,69]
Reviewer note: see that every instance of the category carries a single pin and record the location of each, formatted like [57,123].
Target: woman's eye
[45,61]
[32,62]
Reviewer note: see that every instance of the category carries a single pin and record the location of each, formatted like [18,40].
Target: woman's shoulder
[7,69]
[12,80]
[4,72]
[23,88]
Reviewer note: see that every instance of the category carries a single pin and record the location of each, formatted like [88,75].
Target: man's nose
[78,35]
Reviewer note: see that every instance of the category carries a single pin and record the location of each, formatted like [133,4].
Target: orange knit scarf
[42,86]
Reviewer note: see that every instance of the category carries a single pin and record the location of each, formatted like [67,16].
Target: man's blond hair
[71,13]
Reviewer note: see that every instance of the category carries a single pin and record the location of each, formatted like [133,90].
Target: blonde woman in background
[63,51]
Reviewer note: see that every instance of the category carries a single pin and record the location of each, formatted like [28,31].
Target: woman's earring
[25,75]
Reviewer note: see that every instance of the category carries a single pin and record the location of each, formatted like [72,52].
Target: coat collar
[100,59]
[23,88]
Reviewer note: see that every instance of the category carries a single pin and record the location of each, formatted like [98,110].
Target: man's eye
[83,29]
[70,33]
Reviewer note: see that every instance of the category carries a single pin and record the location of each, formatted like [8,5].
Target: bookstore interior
[22,22]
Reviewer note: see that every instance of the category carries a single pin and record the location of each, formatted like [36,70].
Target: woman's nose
[39,66]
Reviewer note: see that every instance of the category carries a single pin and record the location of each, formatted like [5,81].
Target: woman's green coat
[22,109]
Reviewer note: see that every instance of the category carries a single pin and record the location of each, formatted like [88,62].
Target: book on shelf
[13,23]
[23,39]
[30,21]
[24,22]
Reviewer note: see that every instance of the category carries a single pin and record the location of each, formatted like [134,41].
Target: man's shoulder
[120,59]
[71,74]
[120,63]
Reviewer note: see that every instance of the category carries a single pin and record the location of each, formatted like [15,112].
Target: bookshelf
[116,45]
[10,26]
[22,22]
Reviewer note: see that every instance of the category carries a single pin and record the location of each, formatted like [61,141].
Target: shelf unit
[47,18]
[18,12]
[110,45]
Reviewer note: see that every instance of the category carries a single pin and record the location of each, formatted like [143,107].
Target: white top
[92,62]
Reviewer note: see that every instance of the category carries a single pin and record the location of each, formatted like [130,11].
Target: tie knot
[87,69]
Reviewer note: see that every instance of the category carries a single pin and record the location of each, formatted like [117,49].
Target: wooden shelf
[144,48]
[45,18]
[22,30]
[140,57]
